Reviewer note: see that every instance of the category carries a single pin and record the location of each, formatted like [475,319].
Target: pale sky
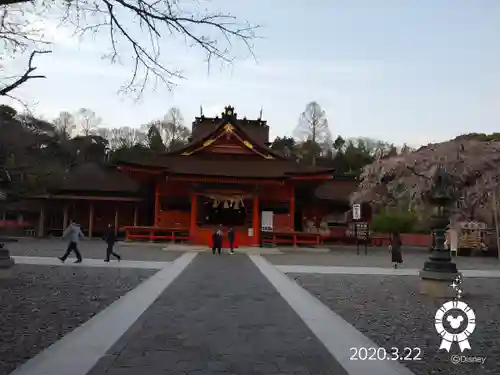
[410,71]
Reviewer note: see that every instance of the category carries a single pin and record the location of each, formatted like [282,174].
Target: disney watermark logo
[459,327]
[458,359]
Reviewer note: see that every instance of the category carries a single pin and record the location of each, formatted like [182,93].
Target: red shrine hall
[227,175]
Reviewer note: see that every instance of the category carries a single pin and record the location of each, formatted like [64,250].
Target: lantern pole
[495,217]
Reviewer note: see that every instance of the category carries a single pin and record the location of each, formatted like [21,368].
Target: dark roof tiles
[337,190]
[95,177]
[193,165]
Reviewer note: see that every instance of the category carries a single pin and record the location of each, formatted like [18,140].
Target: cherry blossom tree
[406,179]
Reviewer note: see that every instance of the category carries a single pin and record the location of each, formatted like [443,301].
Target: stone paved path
[220,316]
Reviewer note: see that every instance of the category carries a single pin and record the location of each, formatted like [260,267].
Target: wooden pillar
[91,219]
[157,205]
[116,220]
[65,216]
[193,214]
[41,222]
[256,220]
[135,215]
[292,208]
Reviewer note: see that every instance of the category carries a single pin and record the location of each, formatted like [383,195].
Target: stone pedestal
[6,263]
[436,284]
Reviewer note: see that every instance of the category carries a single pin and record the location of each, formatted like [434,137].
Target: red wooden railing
[155,233]
[292,238]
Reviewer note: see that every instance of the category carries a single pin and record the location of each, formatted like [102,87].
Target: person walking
[395,248]
[110,239]
[217,238]
[74,233]
[230,237]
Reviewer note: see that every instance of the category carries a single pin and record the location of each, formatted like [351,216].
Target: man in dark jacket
[217,238]
[230,237]
[110,239]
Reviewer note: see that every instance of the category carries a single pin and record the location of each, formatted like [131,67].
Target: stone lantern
[6,262]
[440,271]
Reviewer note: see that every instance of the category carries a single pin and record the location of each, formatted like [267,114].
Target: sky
[404,71]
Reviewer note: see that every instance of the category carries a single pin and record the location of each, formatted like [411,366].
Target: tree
[405,179]
[172,130]
[313,126]
[123,137]
[285,146]
[394,220]
[154,140]
[338,144]
[135,30]
[87,121]
[27,151]
[65,125]
[308,152]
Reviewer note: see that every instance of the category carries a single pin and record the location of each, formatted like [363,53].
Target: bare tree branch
[25,77]
[136,31]
[156,19]
[10,2]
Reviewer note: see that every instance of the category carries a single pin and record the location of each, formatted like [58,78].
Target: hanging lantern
[226,204]
[236,205]
[216,203]
[241,202]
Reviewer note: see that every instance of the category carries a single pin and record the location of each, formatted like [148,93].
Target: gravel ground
[40,304]
[92,249]
[390,311]
[379,258]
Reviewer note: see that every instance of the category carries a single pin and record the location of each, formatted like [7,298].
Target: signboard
[250,232]
[356,211]
[359,230]
[266,222]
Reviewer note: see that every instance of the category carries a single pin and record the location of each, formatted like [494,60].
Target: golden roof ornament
[229,112]
[228,128]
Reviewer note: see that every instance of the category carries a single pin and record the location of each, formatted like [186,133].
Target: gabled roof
[259,161]
[93,177]
[229,126]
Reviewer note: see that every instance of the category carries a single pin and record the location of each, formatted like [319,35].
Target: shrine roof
[199,166]
[229,124]
[337,190]
[253,159]
[94,177]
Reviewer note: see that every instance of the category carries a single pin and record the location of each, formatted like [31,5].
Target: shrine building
[227,175]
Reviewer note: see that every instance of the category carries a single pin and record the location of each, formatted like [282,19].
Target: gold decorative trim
[186,153]
[228,128]
[208,142]
[248,144]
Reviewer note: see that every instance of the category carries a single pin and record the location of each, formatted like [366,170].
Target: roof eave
[215,176]
[152,169]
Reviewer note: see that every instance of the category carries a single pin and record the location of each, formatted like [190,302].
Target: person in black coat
[217,238]
[230,237]
[395,247]
[110,239]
